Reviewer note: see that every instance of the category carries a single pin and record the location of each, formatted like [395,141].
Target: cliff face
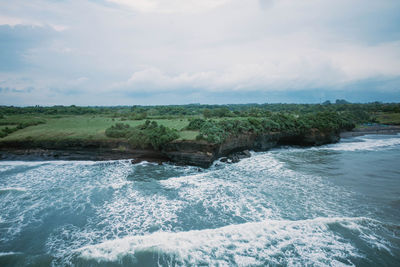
[202,154]
[317,138]
[198,153]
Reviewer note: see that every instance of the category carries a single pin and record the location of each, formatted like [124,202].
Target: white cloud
[170,6]
[212,46]
[291,64]
[14,21]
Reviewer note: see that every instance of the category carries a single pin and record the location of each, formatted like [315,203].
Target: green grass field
[4,126]
[388,118]
[92,127]
[84,127]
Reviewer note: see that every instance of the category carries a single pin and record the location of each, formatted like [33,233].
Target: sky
[151,52]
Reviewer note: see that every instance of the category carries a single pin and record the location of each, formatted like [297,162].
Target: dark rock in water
[246,153]
[234,158]
[136,161]
[224,159]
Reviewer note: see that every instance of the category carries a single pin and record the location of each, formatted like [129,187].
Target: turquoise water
[335,205]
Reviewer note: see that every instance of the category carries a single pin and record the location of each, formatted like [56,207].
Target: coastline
[196,153]
[375,129]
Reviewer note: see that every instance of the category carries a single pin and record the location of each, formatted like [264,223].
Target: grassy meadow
[79,127]
[388,118]
[158,125]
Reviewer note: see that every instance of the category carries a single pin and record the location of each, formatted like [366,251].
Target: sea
[332,205]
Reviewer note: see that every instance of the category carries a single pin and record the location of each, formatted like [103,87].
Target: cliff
[201,153]
[196,152]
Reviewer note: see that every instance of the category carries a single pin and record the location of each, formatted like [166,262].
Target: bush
[6,131]
[195,124]
[119,130]
[149,134]
[218,131]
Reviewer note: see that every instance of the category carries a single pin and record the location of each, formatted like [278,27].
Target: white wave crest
[3,254]
[12,189]
[57,162]
[256,243]
[368,144]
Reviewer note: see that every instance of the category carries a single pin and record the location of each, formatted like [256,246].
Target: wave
[12,189]
[4,254]
[257,243]
[58,162]
[366,144]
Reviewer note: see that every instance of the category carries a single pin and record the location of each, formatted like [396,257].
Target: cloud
[16,42]
[171,6]
[304,67]
[115,51]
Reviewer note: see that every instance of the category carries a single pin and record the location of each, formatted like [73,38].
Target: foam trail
[274,242]
[365,143]
[58,162]
[12,189]
[4,254]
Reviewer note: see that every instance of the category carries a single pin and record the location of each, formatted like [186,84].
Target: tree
[207,113]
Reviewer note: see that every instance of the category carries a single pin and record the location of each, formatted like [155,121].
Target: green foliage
[118,130]
[20,125]
[195,124]
[388,118]
[149,134]
[218,131]
[90,123]
[6,131]
[211,132]
[207,113]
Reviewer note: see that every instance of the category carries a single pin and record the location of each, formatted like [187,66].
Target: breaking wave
[368,143]
[316,242]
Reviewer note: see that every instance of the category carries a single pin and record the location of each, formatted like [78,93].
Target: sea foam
[366,144]
[255,243]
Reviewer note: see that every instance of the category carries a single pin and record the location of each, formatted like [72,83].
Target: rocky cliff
[196,152]
[201,153]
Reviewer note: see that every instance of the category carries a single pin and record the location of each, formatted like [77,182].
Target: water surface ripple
[331,205]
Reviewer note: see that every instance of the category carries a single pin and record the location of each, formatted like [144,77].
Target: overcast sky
[125,52]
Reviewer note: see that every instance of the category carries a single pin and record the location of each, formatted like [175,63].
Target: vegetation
[12,126]
[154,126]
[388,118]
[206,111]
[145,135]
[217,131]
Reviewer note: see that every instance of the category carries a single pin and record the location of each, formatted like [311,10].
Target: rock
[246,153]
[317,137]
[136,161]
[224,159]
[235,158]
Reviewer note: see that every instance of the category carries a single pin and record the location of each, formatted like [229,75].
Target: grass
[84,127]
[388,118]
[4,126]
[188,135]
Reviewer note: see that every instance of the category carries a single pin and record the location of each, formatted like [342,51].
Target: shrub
[195,124]
[149,134]
[119,130]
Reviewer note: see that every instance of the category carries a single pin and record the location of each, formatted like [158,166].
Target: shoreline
[376,129]
[195,153]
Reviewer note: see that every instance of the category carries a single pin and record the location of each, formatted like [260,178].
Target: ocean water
[334,205]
